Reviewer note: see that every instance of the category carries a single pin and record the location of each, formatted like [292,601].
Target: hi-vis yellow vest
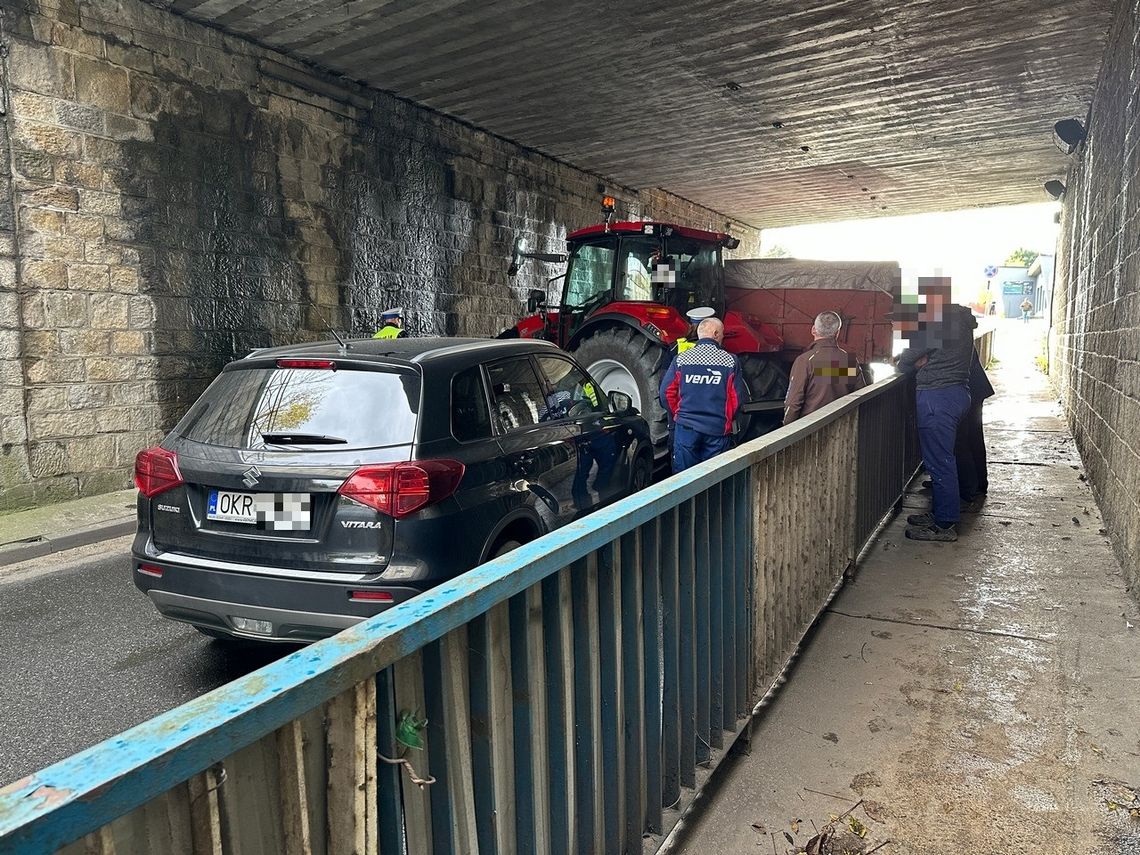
[389,331]
[684,344]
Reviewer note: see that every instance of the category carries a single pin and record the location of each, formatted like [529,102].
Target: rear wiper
[301,439]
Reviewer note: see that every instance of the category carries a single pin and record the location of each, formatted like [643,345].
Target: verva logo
[713,378]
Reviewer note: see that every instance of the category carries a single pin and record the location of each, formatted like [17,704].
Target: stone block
[112,420]
[88,453]
[40,68]
[46,459]
[41,220]
[77,39]
[40,343]
[99,203]
[65,309]
[13,430]
[9,310]
[39,108]
[110,368]
[128,128]
[47,399]
[55,369]
[132,343]
[58,489]
[9,343]
[45,275]
[110,312]
[11,399]
[124,280]
[102,84]
[82,117]
[88,277]
[141,314]
[105,481]
[130,56]
[48,138]
[65,247]
[52,196]
[36,165]
[79,175]
[83,226]
[84,342]
[60,425]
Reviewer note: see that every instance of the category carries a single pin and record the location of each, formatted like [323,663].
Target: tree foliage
[1021,257]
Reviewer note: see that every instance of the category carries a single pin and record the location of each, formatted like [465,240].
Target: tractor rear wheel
[626,361]
[767,381]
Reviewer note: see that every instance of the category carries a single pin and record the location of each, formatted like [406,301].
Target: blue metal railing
[578,690]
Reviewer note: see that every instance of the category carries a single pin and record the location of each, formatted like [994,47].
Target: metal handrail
[85,792]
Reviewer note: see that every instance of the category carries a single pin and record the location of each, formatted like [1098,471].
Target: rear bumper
[298,607]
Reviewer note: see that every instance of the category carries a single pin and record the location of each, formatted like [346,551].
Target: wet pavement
[978,698]
[85,656]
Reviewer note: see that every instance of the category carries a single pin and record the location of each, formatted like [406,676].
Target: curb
[23,550]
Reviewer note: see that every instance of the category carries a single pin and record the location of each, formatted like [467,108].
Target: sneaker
[921,519]
[932,532]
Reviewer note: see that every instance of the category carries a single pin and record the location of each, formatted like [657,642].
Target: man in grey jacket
[939,357]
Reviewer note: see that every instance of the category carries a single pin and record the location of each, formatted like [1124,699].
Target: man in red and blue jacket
[702,390]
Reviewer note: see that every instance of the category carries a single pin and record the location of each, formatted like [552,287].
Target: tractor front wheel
[626,361]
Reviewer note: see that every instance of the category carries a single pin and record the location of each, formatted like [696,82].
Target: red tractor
[628,286]
[625,292]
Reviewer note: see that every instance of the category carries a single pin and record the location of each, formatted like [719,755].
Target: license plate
[273,511]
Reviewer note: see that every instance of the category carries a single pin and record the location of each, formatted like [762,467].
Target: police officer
[393,324]
[702,390]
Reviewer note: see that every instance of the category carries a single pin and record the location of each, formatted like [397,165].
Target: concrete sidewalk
[65,525]
[980,697]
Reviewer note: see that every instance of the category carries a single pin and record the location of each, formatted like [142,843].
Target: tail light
[399,489]
[318,364]
[156,471]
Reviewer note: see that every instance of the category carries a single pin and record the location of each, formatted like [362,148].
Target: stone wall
[1096,310]
[183,196]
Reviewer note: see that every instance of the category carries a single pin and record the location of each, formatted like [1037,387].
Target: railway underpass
[187,180]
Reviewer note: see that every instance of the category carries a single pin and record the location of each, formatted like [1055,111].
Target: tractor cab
[652,264]
[651,273]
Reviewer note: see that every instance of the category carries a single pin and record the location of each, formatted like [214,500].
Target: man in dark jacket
[702,390]
[823,373]
[939,356]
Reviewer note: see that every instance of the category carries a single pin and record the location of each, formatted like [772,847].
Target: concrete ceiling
[884,107]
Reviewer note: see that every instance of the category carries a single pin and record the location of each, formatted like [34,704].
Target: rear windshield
[305,408]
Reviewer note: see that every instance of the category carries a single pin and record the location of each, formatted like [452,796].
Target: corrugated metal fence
[577,692]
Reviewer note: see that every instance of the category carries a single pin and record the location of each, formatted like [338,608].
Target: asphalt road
[85,656]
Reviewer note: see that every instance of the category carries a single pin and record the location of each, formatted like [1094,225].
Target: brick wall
[1096,311]
[183,196]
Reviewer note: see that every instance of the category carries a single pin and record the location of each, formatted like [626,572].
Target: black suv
[315,485]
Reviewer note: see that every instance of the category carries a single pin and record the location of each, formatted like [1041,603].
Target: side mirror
[622,403]
[534,299]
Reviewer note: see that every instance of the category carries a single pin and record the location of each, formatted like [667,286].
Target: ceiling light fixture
[1055,189]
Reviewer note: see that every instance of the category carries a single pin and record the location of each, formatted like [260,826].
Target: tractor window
[636,265]
[589,275]
[697,274]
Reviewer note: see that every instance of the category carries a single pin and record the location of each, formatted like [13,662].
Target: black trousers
[970,454]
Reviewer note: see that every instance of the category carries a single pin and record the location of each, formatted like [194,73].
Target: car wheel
[642,474]
[626,361]
[505,547]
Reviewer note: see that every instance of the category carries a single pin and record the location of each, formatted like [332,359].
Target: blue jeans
[939,412]
[691,447]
